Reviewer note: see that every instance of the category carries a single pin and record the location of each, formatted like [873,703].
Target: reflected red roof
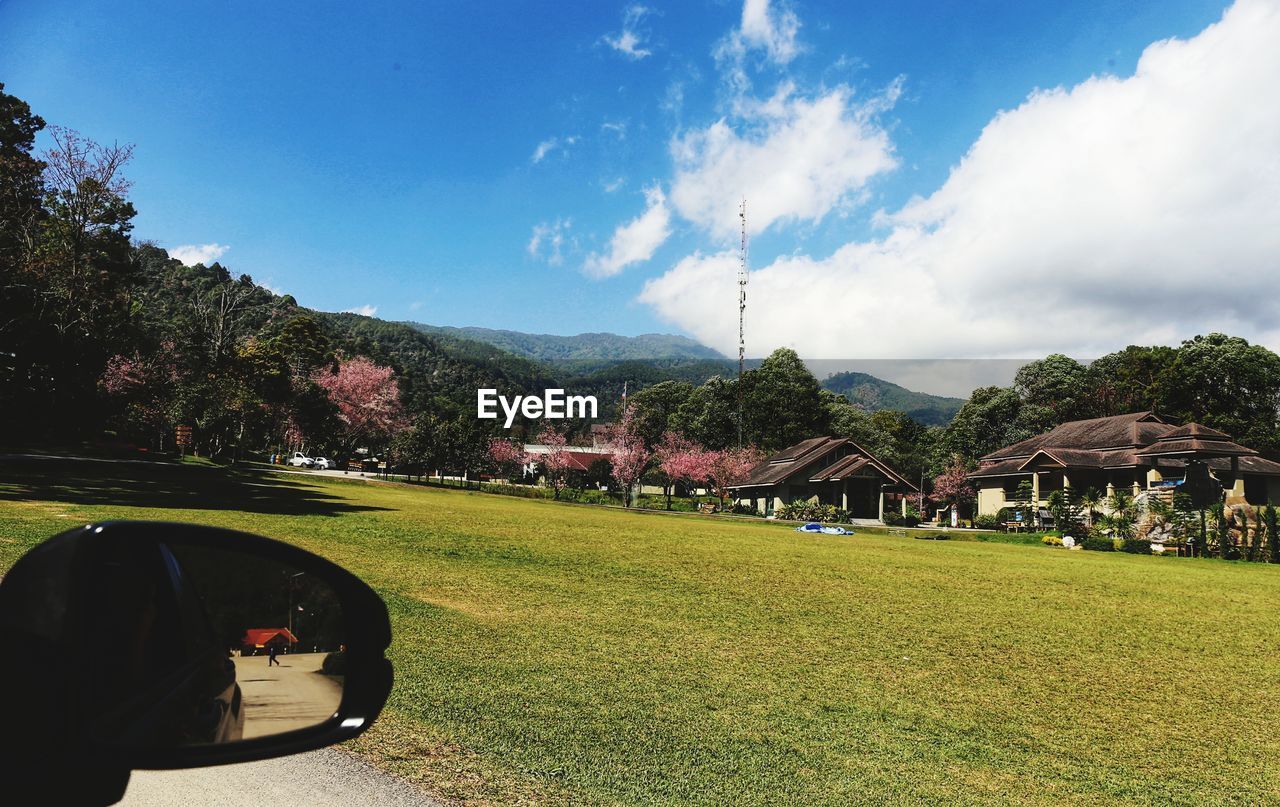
[258,637]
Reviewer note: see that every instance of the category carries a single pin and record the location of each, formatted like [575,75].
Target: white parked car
[323,464]
[300,460]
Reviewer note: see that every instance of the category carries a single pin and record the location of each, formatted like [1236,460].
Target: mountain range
[608,359]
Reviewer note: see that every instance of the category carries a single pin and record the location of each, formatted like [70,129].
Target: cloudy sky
[977,180]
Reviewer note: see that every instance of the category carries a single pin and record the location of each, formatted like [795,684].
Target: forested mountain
[584,347]
[874,394]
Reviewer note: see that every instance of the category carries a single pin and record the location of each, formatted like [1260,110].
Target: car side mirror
[159,645]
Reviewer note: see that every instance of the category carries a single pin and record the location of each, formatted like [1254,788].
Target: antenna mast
[742,307]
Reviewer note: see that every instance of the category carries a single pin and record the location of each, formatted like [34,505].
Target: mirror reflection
[135,643]
[281,631]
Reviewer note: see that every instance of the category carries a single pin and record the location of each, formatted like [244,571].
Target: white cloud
[192,254]
[630,40]
[614,184]
[636,240]
[794,158]
[548,240]
[1122,210]
[363,310]
[543,149]
[617,128]
[769,29]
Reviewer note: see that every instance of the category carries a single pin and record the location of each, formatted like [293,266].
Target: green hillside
[873,394]
[583,346]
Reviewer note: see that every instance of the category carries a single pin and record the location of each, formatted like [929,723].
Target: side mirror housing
[161,645]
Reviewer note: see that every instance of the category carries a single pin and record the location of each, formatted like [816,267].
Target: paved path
[324,778]
[284,697]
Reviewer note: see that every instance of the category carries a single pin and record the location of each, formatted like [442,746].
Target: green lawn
[569,654]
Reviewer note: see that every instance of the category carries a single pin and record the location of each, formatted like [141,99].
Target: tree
[989,420]
[656,407]
[731,467]
[508,456]
[1271,518]
[628,455]
[782,402]
[682,460]
[1129,380]
[1054,390]
[1228,384]
[709,416]
[145,386]
[1122,515]
[556,461]
[367,397]
[951,487]
[1091,500]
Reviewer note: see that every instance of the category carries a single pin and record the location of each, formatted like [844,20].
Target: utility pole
[742,307]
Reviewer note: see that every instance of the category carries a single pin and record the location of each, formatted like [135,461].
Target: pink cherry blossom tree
[951,487]
[628,455]
[731,467]
[508,455]
[683,460]
[556,461]
[368,399]
[147,387]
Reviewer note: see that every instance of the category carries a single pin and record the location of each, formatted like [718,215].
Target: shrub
[810,511]
[1098,544]
[987,522]
[1051,540]
[1135,546]
[911,520]
[894,518]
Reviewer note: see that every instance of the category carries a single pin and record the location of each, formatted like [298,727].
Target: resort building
[1136,452]
[827,470]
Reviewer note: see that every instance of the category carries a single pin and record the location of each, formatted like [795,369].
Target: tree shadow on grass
[166,485]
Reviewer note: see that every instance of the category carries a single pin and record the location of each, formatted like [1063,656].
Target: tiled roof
[806,454]
[1124,441]
[1118,431]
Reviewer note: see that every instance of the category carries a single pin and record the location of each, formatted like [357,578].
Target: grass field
[567,654]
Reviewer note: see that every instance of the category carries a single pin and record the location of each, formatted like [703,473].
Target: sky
[974,180]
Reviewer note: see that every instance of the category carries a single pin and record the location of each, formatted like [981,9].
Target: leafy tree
[731,467]
[1130,380]
[556,462]
[367,397]
[1228,384]
[709,416]
[1271,518]
[989,420]
[1054,390]
[508,456]
[951,487]
[656,407]
[682,460]
[782,402]
[628,455]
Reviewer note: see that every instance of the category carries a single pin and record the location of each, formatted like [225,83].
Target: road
[324,778]
[284,697]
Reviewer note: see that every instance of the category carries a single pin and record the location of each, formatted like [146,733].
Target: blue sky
[464,165]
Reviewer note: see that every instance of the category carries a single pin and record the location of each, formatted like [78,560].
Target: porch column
[904,506]
[880,514]
[844,495]
[1035,490]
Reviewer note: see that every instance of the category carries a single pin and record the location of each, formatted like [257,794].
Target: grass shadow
[169,486]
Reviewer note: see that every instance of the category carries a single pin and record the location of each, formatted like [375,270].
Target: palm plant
[1123,516]
[1090,500]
